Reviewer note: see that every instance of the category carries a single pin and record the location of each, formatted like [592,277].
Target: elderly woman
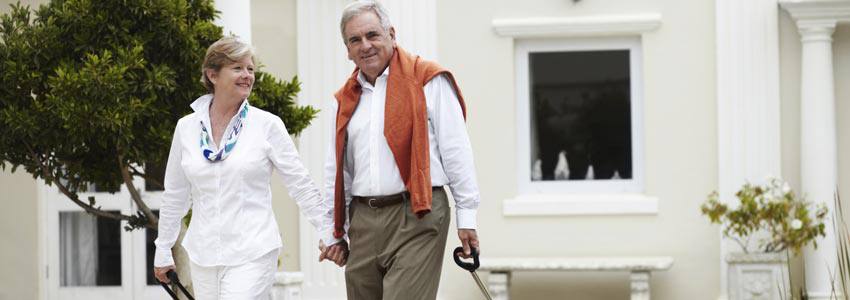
[222,156]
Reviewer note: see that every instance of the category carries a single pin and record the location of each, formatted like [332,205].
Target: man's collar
[361,78]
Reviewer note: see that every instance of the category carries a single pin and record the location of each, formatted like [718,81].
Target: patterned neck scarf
[230,137]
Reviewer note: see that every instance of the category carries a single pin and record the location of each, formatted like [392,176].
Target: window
[579,113]
[94,258]
[90,250]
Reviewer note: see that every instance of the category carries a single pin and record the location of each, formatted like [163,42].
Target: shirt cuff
[328,237]
[163,258]
[466,218]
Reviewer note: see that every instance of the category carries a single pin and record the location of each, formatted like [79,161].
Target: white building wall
[680,152]
[19,224]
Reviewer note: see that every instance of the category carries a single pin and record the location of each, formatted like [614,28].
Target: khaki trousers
[395,255]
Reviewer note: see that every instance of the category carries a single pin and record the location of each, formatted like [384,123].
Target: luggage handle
[173,277]
[471,267]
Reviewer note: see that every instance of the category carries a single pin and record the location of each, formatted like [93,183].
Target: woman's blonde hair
[226,50]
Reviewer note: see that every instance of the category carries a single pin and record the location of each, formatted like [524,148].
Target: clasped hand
[338,253]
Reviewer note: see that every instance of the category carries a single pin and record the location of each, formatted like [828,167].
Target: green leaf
[85,82]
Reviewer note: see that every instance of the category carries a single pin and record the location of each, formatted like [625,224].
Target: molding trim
[600,25]
[838,10]
[580,204]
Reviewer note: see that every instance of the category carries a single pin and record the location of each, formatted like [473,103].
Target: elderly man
[399,138]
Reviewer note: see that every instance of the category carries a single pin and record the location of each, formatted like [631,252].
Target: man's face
[369,45]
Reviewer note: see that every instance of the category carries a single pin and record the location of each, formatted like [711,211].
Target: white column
[748,106]
[639,285]
[415,25]
[323,67]
[816,21]
[235,17]
[819,160]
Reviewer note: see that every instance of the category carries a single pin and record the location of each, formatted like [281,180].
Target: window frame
[133,245]
[526,186]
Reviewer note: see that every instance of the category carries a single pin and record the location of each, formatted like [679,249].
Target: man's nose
[366,45]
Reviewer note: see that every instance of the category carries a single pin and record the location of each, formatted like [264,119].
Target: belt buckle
[370,202]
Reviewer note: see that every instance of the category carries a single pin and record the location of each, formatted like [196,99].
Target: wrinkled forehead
[362,24]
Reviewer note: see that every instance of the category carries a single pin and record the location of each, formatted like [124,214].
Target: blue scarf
[231,137]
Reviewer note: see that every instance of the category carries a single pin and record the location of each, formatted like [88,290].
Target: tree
[91,90]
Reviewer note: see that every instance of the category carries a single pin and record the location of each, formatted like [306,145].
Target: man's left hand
[469,239]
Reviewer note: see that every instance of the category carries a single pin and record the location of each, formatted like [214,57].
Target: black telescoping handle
[471,267]
[168,290]
[173,277]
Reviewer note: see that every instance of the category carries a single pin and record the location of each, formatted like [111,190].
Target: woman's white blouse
[232,219]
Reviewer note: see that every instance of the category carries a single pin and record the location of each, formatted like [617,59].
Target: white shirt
[370,168]
[232,218]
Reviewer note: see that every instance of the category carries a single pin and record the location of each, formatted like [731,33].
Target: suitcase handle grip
[173,277]
[465,265]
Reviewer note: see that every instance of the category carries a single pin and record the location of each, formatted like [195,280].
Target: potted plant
[777,221]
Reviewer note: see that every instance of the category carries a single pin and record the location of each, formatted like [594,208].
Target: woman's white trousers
[250,281]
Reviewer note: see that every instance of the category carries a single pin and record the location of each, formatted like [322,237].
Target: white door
[95,258]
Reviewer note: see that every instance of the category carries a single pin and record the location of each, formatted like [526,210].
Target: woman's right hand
[159,273]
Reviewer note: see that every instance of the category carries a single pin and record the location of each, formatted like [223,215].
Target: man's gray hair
[357,8]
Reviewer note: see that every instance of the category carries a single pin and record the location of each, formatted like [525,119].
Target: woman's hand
[338,253]
[159,273]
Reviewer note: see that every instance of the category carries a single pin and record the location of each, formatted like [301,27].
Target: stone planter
[758,276]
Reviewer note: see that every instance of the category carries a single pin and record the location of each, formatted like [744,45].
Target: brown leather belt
[384,201]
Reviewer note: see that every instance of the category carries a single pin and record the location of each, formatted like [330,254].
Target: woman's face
[234,80]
